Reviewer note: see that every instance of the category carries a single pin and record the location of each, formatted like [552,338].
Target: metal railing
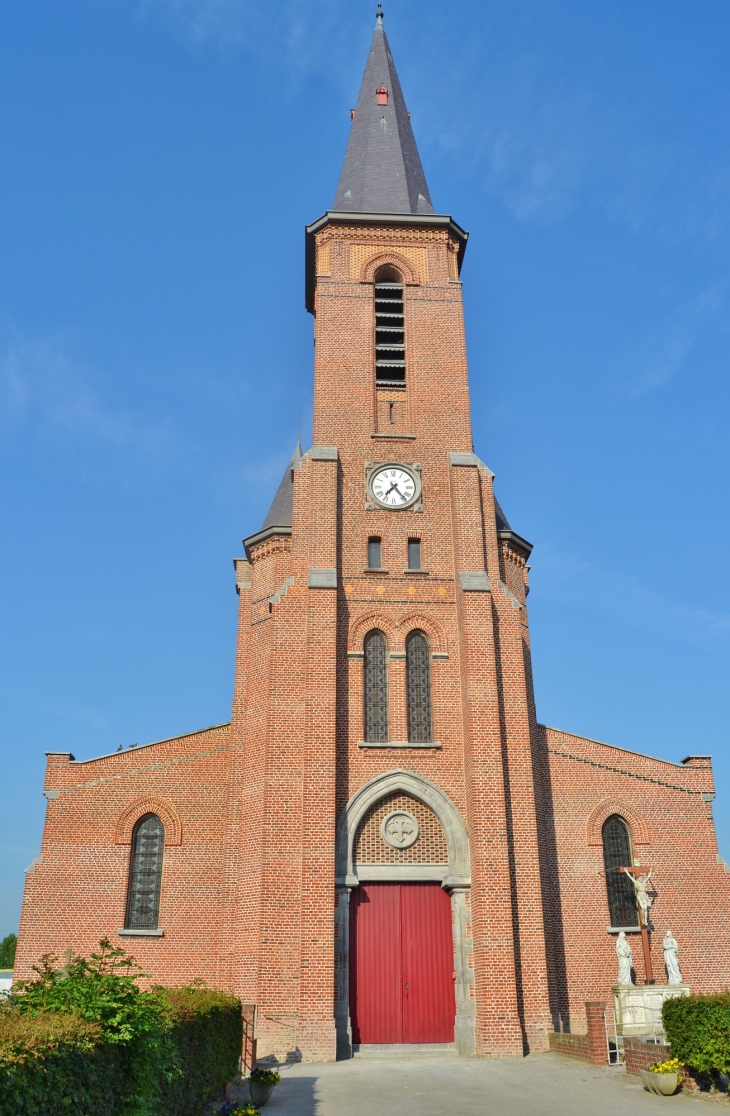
[649,1029]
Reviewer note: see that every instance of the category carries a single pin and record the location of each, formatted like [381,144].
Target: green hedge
[206,1028]
[698,1030]
[85,1040]
[52,1064]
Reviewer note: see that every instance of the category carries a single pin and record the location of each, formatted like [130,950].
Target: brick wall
[580,783]
[249,898]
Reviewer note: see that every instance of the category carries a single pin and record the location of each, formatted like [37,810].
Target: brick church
[384,845]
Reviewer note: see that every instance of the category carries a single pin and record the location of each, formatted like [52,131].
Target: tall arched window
[418,681]
[145,874]
[376,688]
[617,855]
[390,338]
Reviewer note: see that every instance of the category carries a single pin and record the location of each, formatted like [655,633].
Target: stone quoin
[383,773]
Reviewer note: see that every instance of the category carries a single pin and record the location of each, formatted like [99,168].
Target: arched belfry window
[390,337]
[145,874]
[418,681]
[619,888]
[376,688]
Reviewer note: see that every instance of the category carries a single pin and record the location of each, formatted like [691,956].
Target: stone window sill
[141,933]
[395,744]
[425,573]
[375,570]
[626,929]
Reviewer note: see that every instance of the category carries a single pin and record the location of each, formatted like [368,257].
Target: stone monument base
[639,1007]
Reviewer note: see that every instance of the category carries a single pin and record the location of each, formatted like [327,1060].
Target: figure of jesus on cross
[640,879]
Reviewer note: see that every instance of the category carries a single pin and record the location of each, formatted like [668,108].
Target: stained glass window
[145,874]
[616,855]
[418,681]
[376,688]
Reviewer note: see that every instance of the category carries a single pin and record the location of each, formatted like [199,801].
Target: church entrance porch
[401,964]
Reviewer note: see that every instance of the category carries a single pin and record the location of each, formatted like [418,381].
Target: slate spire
[382,171]
[280,513]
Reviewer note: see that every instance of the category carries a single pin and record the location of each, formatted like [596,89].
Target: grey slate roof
[280,513]
[502,524]
[382,171]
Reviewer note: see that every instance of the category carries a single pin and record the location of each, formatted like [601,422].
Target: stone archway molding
[457,875]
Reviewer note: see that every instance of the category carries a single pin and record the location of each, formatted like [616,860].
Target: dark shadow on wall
[552,905]
[519,975]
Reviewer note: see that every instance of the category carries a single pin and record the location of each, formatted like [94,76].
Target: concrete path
[543,1085]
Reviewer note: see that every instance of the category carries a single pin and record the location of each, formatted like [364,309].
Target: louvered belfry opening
[617,855]
[145,874]
[390,338]
[376,687]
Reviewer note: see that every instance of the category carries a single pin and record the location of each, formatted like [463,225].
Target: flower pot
[663,1084]
[260,1093]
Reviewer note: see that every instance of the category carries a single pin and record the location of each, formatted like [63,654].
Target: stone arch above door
[453,874]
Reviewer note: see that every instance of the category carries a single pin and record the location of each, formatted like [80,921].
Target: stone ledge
[322,578]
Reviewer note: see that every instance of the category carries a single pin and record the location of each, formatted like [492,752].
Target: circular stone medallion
[399,829]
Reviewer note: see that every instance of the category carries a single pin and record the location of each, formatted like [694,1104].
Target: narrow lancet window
[619,888]
[145,874]
[414,554]
[390,338]
[418,682]
[376,688]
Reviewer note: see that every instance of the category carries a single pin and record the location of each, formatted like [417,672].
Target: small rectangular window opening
[375,557]
[414,554]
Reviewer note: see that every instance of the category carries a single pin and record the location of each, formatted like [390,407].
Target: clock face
[393,486]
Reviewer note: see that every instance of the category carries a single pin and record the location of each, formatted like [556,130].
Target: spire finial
[379,15]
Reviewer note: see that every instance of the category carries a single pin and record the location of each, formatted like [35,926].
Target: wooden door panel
[400,935]
[376,1008]
[428,962]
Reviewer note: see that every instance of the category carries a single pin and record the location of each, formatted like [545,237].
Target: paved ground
[543,1085]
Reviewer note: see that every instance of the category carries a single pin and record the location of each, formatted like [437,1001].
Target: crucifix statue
[640,879]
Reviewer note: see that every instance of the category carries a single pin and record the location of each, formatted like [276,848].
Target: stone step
[404,1050]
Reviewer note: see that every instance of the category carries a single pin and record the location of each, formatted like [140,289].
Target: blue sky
[160,159]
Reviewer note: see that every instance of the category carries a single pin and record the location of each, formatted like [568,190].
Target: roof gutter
[266,533]
[412,220]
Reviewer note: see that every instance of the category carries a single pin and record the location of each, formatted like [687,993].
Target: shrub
[698,1030]
[103,990]
[50,1062]
[88,1036]
[206,1028]
[7,951]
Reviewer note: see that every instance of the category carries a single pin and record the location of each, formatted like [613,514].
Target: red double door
[401,964]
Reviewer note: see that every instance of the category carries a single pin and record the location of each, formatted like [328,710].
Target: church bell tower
[384,881]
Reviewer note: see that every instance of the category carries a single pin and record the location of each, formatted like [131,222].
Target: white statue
[671,951]
[642,896]
[625,959]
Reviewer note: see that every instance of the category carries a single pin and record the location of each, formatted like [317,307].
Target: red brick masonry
[250,808]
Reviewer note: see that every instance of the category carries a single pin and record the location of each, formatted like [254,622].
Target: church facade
[383,845]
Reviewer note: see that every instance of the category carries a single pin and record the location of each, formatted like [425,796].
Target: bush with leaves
[54,1064]
[7,951]
[103,990]
[698,1030]
[206,1028]
[87,1036]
